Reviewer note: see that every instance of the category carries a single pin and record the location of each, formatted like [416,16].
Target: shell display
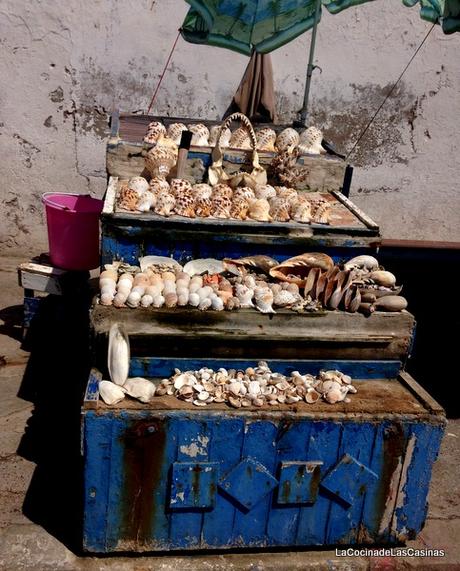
[138,184]
[266,139]
[256,386]
[159,161]
[321,212]
[127,199]
[240,139]
[239,208]
[158,185]
[202,190]
[287,140]
[165,204]
[301,211]
[185,200]
[288,193]
[180,186]
[111,393]
[264,191]
[140,389]
[221,206]
[155,129]
[296,269]
[280,209]
[362,262]
[146,202]
[224,139]
[223,190]
[200,134]
[310,142]
[175,131]
[203,207]
[118,354]
[263,297]
[259,209]
[258,263]
[244,192]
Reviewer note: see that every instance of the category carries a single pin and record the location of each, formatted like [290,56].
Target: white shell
[146,300]
[158,301]
[287,140]
[208,265]
[310,141]
[118,354]
[200,134]
[224,139]
[175,131]
[138,184]
[140,389]
[111,393]
[364,261]
[149,261]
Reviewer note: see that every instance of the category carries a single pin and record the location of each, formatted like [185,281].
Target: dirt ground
[40,468]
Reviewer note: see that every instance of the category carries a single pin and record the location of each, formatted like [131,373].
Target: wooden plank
[110,195]
[39,277]
[91,398]
[428,401]
[357,211]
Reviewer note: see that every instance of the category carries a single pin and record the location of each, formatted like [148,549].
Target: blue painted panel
[31,310]
[120,248]
[323,445]
[225,447]
[192,445]
[292,445]
[164,366]
[298,482]
[97,443]
[259,444]
[345,517]
[193,485]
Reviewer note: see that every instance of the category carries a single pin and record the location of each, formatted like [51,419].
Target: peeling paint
[194,449]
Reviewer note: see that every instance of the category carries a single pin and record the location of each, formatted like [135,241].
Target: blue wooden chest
[166,475]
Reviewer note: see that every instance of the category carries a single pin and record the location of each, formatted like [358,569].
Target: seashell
[301,211]
[266,139]
[170,300]
[244,294]
[224,138]
[220,206]
[222,189]
[183,297]
[239,208]
[296,270]
[240,139]
[118,354]
[109,274]
[287,140]
[312,396]
[362,262]
[111,393]
[138,184]
[184,379]
[383,278]
[390,303]
[203,265]
[264,191]
[203,207]
[264,299]
[202,190]
[140,389]
[334,395]
[204,304]
[217,304]
[280,209]
[258,262]
[310,142]
[244,192]
[233,303]
[175,130]
[155,129]
[158,301]
[200,134]
[127,199]
[150,261]
[235,402]
[285,298]
[165,204]
[146,202]
[259,209]
[185,392]
[185,204]
[159,161]
[133,299]
[289,193]
[146,300]
[158,185]
[166,143]
[194,299]
[141,279]
[321,213]
[258,402]
[107,298]
[119,299]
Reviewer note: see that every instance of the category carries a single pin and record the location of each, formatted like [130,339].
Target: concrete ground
[40,468]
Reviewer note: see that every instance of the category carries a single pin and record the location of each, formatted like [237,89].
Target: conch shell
[111,393]
[214,134]
[260,263]
[200,134]
[266,139]
[118,354]
[159,161]
[175,131]
[287,140]
[259,209]
[362,262]
[296,270]
[310,142]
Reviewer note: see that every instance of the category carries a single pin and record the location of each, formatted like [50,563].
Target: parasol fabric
[265,25]
[255,96]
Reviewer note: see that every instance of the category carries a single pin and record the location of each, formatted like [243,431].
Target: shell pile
[256,387]
[307,142]
[308,282]
[264,203]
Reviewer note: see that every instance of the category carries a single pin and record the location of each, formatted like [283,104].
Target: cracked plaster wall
[65,65]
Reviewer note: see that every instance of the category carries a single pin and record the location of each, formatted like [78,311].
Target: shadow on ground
[54,381]
[12,321]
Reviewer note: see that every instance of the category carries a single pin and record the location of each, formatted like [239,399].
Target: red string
[163,73]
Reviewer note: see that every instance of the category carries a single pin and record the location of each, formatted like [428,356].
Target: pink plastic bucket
[73,230]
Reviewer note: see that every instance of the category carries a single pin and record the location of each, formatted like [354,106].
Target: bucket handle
[55,204]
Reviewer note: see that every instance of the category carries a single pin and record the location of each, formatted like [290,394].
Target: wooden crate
[166,475]
[321,335]
[128,236]
[126,150]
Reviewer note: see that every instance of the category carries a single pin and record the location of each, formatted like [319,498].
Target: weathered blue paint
[371,479]
[164,366]
[31,310]
[298,482]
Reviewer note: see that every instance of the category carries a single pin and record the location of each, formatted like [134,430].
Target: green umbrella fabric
[265,25]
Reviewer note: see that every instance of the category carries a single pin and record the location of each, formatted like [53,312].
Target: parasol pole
[310,67]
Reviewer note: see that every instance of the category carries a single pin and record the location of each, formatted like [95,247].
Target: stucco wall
[65,65]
